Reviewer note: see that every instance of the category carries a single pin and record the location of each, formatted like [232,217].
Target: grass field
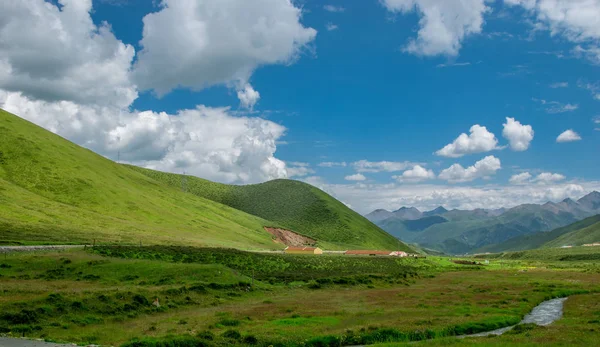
[218,297]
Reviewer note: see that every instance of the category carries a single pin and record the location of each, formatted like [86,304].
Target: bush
[250,340]
[229,322]
[232,334]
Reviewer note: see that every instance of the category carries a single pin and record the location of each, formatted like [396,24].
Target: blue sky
[355,83]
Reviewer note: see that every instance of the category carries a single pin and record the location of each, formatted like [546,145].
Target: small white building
[399,254]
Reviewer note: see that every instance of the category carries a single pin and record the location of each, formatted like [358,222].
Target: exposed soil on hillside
[290,238]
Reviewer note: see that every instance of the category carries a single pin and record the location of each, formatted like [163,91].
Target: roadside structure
[303,250]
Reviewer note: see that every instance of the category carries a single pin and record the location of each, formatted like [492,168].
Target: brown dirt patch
[290,238]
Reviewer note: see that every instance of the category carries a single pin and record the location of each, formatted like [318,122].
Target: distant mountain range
[468,231]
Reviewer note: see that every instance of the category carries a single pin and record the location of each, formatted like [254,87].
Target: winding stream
[543,314]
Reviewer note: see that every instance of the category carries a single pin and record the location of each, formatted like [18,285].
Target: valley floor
[105,296]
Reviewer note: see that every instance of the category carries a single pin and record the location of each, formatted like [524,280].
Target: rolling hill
[52,190]
[581,232]
[292,204]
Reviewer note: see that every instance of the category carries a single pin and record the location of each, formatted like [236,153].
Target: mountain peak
[591,201]
[404,208]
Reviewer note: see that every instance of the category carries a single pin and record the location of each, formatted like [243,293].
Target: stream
[543,314]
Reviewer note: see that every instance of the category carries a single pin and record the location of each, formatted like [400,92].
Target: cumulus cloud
[519,136]
[196,44]
[484,168]
[332,164]
[355,177]
[54,54]
[248,96]
[444,25]
[206,142]
[568,136]
[548,177]
[575,20]
[479,140]
[381,166]
[521,178]
[61,71]
[416,174]
[298,169]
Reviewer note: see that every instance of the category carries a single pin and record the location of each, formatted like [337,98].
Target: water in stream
[543,314]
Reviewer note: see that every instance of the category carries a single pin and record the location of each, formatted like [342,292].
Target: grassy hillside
[577,231]
[293,204]
[582,234]
[591,254]
[52,190]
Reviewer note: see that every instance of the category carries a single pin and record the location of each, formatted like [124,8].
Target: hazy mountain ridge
[469,230]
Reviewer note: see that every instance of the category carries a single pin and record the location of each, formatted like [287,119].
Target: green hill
[576,231]
[294,205]
[582,233]
[52,190]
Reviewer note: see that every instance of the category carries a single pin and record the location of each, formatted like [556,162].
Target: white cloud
[298,169]
[521,178]
[380,166]
[482,169]
[568,136]
[196,44]
[560,108]
[365,197]
[416,174]
[519,136]
[332,8]
[452,64]
[575,20]
[443,24]
[331,27]
[332,164]
[248,96]
[593,88]
[548,177]
[61,71]
[206,142]
[559,85]
[554,107]
[355,177]
[479,140]
[52,55]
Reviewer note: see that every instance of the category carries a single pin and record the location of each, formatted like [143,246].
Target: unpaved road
[10,249]
[15,342]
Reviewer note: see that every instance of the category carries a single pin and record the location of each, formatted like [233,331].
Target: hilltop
[52,190]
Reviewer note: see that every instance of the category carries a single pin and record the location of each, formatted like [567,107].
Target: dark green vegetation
[576,234]
[294,205]
[588,254]
[215,297]
[54,191]
[278,268]
[482,230]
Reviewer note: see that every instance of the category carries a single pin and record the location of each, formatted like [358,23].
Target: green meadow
[220,297]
